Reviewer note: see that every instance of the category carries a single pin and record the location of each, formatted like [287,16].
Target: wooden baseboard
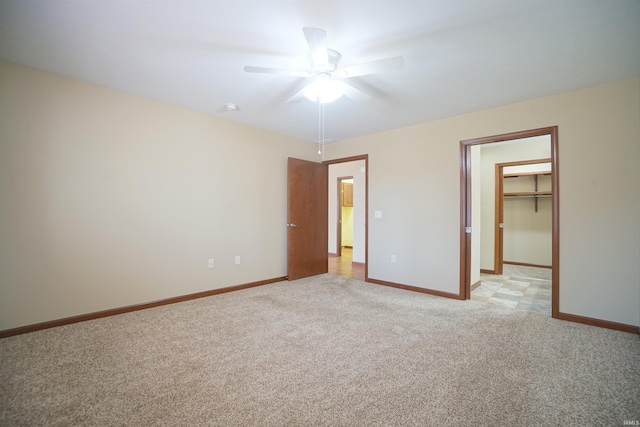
[115,311]
[600,323]
[562,316]
[121,310]
[358,264]
[475,285]
[487,271]
[526,264]
[415,289]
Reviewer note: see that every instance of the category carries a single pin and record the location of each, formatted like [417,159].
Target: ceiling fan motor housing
[333,57]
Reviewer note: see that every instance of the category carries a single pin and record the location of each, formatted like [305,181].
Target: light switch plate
[377,214]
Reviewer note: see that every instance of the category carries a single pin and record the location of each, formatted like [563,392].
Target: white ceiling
[460,56]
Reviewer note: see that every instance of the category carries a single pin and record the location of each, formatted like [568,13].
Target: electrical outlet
[237,259]
[210,262]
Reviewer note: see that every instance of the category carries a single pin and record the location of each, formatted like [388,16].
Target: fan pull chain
[319,126]
[321,129]
[322,141]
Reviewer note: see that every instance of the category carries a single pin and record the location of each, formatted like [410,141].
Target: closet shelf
[528,194]
[517,174]
[528,179]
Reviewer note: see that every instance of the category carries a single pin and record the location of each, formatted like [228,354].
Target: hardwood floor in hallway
[343,265]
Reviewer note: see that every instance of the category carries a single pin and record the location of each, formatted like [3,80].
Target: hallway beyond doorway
[343,265]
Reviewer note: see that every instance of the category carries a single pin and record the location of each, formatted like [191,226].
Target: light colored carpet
[321,351]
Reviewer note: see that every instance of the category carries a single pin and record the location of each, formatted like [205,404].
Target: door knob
[293,225]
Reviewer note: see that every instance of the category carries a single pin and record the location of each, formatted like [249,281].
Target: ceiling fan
[327,80]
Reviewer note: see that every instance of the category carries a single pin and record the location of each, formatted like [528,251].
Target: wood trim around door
[498,252]
[364,157]
[465,209]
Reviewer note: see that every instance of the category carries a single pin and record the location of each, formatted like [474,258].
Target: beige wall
[109,200]
[414,178]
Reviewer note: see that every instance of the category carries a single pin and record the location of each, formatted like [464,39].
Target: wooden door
[347,194]
[307,222]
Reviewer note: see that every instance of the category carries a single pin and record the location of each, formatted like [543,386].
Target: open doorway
[344,224]
[311,208]
[521,273]
[482,247]
[347,236]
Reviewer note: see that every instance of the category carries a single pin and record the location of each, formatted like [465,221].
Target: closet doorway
[474,237]
[523,214]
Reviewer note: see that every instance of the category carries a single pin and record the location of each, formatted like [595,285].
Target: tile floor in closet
[519,287]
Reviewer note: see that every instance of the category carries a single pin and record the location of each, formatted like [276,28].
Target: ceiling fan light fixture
[324,89]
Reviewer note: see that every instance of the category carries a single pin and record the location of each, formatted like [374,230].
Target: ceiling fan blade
[354,93]
[298,95]
[266,70]
[373,67]
[317,41]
